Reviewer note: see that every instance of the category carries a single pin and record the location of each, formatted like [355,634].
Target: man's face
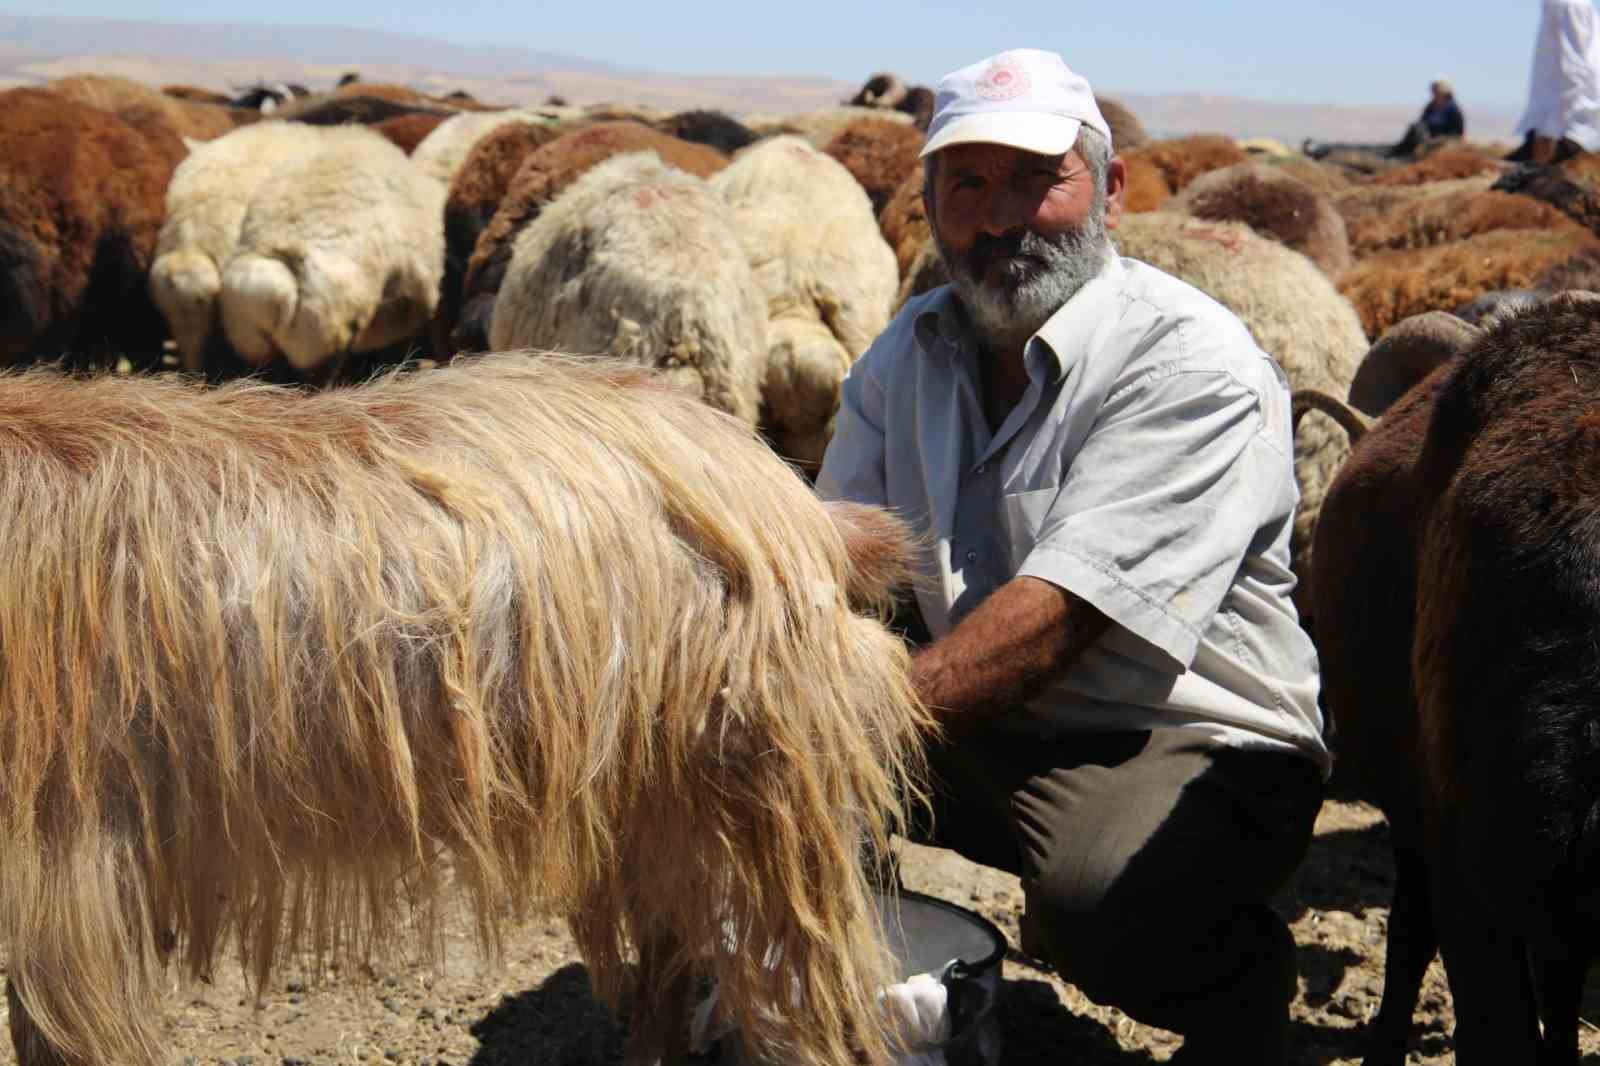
[1020,233]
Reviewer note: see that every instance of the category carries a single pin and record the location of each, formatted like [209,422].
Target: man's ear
[1116,185]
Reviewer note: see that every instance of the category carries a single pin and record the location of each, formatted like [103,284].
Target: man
[1441,117]
[1563,114]
[1100,458]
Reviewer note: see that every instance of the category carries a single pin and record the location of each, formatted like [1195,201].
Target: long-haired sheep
[406,132]
[641,261]
[542,176]
[479,184]
[1146,186]
[1127,132]
[447,147]
[1396,218]
[186,118]
[279,664]
[1295,315]
[1453,162]
[206,203]
[808,229]
[714,129]
[903,221]
[1391,286]
[1275,204]
[341,252]
[1572,186]
[823,125]
[1182,159]
[343,110]
[81,195]
[879,155]
[1405,355]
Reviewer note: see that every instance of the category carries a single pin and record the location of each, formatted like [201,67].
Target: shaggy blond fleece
[341,251]
[1295,315]
[822,125]
[207,199]
[640,261]
[829,277]
[442,152]
[275,665]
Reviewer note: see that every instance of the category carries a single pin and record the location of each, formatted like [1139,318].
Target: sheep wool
[342,251]
[443,151]
[1294,313]
[829,277]
[206,203]
[639,261]
[1276,205]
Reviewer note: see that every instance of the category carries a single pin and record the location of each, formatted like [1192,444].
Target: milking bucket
[947,1001]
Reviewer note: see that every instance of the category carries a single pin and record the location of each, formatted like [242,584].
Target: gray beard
[1036,277]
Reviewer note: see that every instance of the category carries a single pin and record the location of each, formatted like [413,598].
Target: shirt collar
[941,327]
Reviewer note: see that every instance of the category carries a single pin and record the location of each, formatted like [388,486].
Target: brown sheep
[1572,186]
[1183,159]
[477,188]
[1456,161]
[714,128]
[407,131]
[1406,354]
[1391,286]
[1275,204]
[349,107]
[1397,218]
[1146,188]
[903,221]
[195,94]
[82,197]
[1457,556]
[197,121]
[1580,271]
[1127,132]
[880,155]
[544,173]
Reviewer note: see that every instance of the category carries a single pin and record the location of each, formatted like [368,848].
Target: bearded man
[1100,460]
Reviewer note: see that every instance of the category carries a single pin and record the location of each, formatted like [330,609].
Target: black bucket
[934,941]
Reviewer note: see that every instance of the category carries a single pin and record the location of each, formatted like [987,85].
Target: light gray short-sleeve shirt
[1148,469]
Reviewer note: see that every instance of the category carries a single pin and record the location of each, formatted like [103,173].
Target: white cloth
[1148,469]
[1564,88]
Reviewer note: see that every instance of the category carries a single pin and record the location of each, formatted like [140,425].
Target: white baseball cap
[1024,98]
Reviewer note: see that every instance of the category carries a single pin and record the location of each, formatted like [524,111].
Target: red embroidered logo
[1005,80]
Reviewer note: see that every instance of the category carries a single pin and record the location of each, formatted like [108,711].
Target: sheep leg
[1411,946]
[26,1038]
[1560,975]
[1486,961]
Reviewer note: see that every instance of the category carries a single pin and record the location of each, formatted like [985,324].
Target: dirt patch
[536,1008]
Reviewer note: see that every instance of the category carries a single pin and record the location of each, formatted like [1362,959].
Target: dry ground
[536,1009]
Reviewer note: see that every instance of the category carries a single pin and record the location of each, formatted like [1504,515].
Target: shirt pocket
[1024,514]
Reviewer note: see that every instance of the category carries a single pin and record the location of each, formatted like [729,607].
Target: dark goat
[1458,602]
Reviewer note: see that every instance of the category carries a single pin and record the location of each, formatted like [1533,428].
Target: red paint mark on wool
[649,195]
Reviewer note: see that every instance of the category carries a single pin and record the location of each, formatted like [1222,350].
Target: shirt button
[972,557]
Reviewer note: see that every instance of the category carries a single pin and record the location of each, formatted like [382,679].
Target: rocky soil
[535,1009]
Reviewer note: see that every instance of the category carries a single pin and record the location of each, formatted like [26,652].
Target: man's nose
[1007,211]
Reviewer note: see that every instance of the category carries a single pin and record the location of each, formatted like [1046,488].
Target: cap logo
[1004,80]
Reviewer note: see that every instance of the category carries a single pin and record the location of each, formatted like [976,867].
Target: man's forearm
[1002,652]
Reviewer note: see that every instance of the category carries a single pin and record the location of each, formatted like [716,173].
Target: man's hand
[1001,653]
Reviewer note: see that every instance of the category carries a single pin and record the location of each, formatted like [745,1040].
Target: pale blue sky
[1346,51]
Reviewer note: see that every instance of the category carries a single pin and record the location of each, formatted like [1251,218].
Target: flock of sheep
[750,262]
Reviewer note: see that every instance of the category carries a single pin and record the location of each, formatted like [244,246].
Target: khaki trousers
[1146,860]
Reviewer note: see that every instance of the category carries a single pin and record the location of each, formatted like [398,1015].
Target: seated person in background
[1563,114]
[1440,118]
[1100,460]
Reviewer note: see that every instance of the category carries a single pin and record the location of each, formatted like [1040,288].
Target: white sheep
[342,251]
[639,260]
[207,199]
[442,151]
[829,277]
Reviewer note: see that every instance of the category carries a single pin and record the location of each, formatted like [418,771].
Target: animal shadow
[1038,1030]
[560,1023]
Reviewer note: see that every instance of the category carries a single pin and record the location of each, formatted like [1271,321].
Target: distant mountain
[37,48]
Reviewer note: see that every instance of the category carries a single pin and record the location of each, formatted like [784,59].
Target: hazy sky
[1348,51]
